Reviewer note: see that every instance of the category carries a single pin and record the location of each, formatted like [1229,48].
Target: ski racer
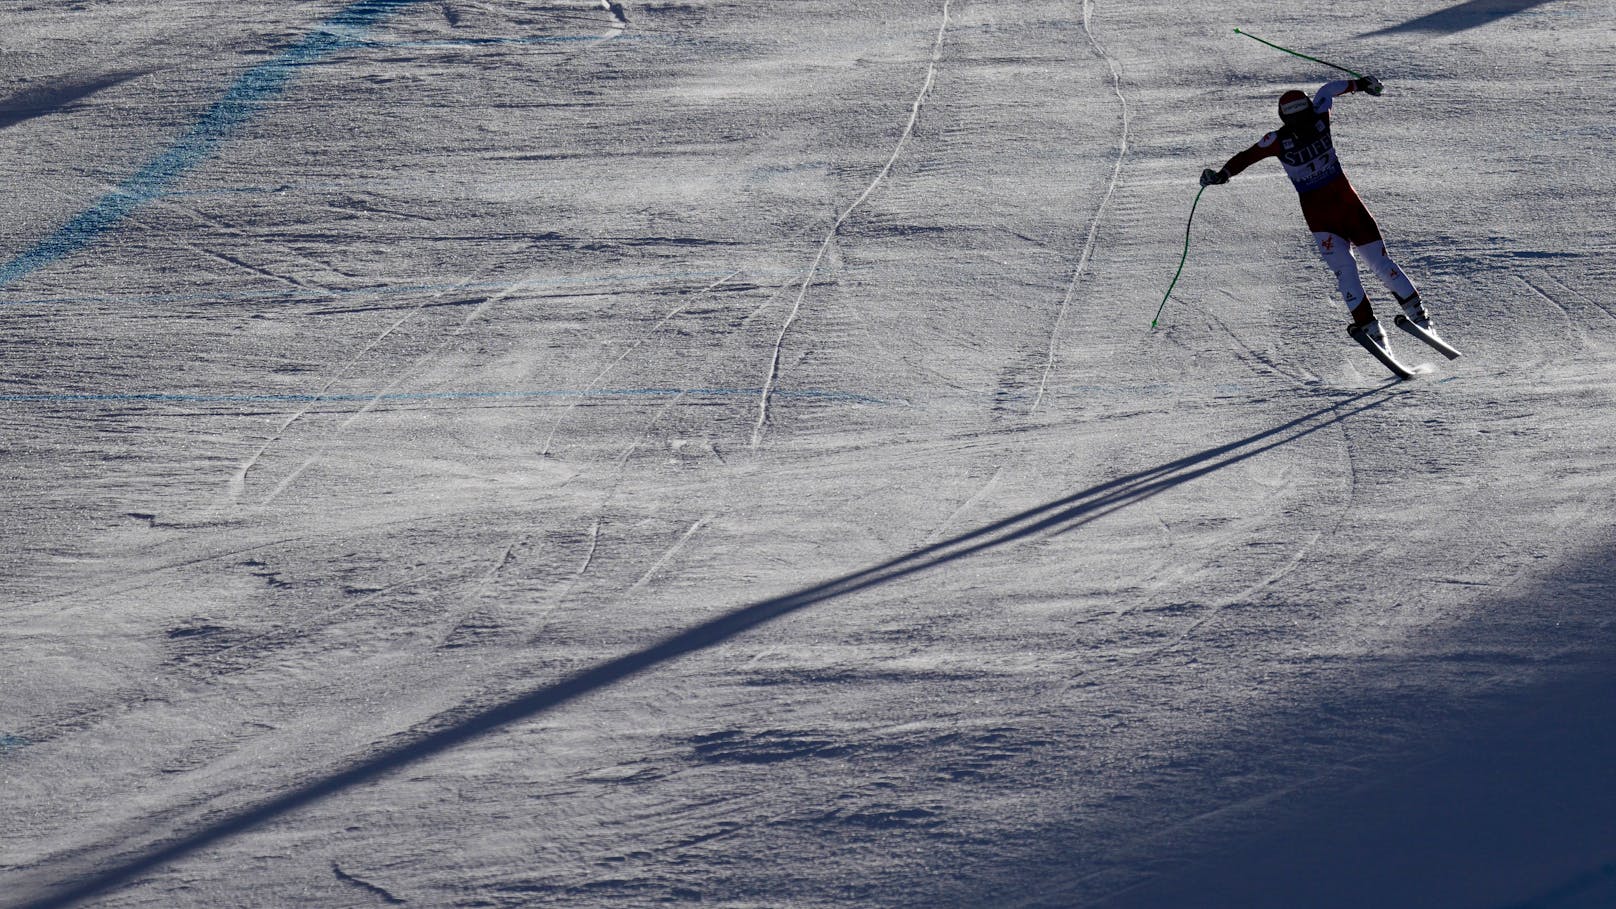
[1340,223]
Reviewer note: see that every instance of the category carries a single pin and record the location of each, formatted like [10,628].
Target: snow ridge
[830,237]
[1105,202]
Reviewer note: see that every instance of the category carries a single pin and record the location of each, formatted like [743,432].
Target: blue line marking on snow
[530,39]
[224,191]
[296,294]
[10,743]
[240,103]
[166,397]
[487,42]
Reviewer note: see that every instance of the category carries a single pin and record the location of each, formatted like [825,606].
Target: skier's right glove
[1210,177]
[1369,84]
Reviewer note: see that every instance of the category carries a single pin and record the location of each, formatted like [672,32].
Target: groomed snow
[532,454]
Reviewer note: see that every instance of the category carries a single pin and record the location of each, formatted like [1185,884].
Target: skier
[1338,219]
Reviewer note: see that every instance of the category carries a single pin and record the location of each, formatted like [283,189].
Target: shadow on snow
[1512,813]
[1059,516]
[40,102]
[1458,18]
[1502,797]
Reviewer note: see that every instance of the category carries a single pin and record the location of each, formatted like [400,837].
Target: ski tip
[1427,335]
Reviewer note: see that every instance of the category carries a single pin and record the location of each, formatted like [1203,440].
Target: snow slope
[509,454]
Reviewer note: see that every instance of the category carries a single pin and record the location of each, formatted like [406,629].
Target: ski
[1428,336]
[1380,353]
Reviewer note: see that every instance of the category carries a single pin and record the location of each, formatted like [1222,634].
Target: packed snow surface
[491,453]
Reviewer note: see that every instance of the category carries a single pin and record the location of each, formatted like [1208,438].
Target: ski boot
[1373,332]
[1373,339]
[1415,311]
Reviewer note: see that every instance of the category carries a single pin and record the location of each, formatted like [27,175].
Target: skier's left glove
[1369,84]
[1210,177]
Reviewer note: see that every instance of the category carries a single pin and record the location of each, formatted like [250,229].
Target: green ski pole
[1287,50]
[1181,259]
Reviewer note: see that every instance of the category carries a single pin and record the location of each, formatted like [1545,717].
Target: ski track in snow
[377,397]
[670,553]
[773,374]
[1592,301]
[1265,366]
[246,705]
[965,507]
[594,383]
[237,485]
[1099,214]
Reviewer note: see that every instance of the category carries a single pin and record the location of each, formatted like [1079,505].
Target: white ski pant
[1337,253]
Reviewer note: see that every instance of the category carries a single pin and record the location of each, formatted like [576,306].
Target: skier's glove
[1210,177]
[1369,84]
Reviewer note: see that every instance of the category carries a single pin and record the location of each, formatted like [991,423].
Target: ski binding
[1380,353]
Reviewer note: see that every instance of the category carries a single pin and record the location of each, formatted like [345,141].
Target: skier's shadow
[1059,516]
[1472,14]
